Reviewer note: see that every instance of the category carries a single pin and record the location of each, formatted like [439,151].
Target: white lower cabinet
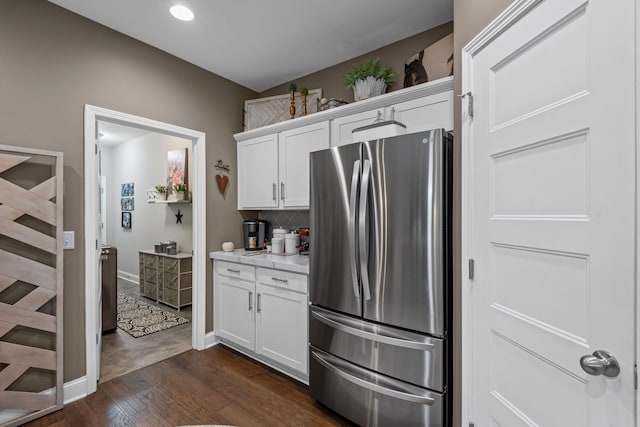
[263,311]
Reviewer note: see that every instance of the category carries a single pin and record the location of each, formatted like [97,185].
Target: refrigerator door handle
[352,226]
[384,385]
[379,335]
[362,230]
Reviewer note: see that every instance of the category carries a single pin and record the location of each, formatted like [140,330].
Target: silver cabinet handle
[258,295]
[282,191]
[600,363]
[276,279]
[275,188]
[230,270]
[352,227]
[372,381]
[362,230]
[250,301]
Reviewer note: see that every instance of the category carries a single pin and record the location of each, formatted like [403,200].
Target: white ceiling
[112,134]
[264,43]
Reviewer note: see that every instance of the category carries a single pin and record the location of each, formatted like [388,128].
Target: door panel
[333,281]
[235,311]
[407,225]
[551,201]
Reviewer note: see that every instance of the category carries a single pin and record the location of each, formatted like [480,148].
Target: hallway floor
[121,353]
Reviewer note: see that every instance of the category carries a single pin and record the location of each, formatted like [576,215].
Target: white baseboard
[71,391]
[74,390]
[128,277]
[210,340]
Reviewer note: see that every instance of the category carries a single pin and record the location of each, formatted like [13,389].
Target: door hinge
[471,424]
[469,97]
[635,376]
[97,339]
[96,244]
[471,268]
[96,147]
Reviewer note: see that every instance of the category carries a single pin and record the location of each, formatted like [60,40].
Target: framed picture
[431,63]
[126,190]
[126,203]
[126,219]
[177,171]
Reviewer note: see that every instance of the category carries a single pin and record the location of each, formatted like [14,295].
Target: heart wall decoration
[222,178]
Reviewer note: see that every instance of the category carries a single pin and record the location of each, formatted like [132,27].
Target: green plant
[293,87]
[304,91]
[181,186]
[371,68]
[161,189]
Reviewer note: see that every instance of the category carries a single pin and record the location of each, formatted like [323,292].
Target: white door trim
[505,20]
[198,188]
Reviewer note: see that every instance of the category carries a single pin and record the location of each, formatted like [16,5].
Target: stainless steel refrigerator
[381,280]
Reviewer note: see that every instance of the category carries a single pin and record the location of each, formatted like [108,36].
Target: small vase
[304,105]
[368,87]
[180,195]
[162,196]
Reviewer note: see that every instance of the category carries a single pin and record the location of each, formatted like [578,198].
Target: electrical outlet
[69,240]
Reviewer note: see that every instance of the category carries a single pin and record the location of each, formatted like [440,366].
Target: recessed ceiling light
[182,13]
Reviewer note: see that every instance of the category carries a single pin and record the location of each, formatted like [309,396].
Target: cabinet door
[294,148]
[428,112]
[258,173]
[281,324]
[234,311]
[342,127]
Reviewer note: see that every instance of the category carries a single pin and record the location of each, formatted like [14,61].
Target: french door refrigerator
[381,280]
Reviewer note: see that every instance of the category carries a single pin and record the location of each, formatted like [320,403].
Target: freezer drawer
[371,399]
[407,356]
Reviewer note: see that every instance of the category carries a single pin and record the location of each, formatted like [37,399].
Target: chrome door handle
[362,230]
[276,279]
[352,227]
[600,363]
[275,188]
[250,301]
[282,191]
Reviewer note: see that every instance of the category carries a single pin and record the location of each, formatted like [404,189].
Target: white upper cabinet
[294,147]
[258,173]
[273,170]
[425,113]
[342,127]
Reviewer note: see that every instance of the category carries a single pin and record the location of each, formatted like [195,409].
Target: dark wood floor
[214,386]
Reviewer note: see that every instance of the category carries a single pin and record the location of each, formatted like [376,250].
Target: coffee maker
[254,233]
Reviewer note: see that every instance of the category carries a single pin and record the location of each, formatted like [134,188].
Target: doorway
[142,321]
[93,234]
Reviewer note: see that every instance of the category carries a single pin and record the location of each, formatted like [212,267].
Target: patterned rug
[138,318]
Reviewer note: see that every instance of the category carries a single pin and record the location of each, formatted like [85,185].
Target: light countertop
[293,263]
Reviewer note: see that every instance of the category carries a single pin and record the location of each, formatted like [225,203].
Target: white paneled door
[549,206]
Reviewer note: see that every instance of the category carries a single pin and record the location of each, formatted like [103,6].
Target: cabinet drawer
[171,280]
[150,290]
[149,260]
[150,274]
[171,297]
[238,271]
[174,265]
[282,279]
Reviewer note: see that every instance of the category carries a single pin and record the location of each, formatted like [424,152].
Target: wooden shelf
[167,202]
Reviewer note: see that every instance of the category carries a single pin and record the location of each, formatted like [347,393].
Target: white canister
[292,243]
[227,246]
[280,232]
[277,245]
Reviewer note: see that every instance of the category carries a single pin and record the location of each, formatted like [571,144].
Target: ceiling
[260,44]
[112,134]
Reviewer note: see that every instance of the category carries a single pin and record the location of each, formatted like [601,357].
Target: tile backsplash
[286,219]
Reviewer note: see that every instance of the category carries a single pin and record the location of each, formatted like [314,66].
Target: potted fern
[369,79]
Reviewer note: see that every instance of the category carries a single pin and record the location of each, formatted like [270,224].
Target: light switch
[69,240]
